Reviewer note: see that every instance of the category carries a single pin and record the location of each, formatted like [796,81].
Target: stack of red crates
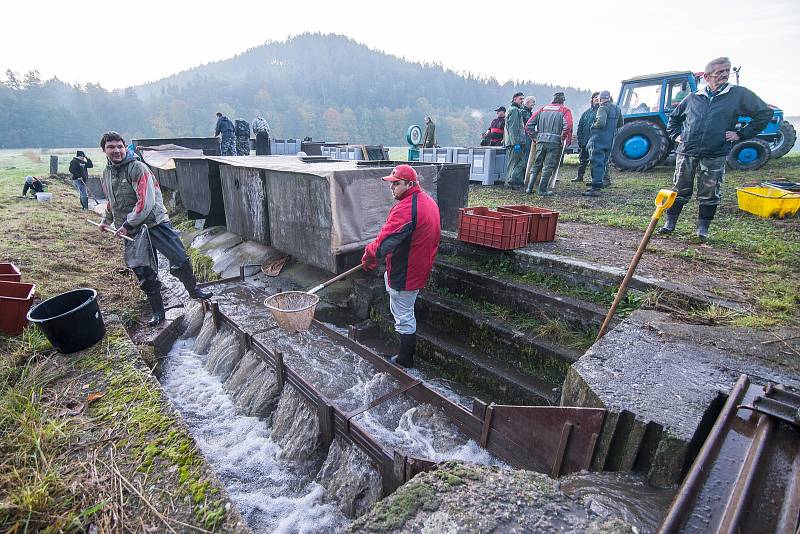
[508,227]
[15,300]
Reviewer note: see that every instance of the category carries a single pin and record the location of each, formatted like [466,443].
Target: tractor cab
[646,103]
[655,96]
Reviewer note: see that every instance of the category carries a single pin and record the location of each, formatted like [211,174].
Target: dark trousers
[262,144]
[166,241]
[583,161]
[598,157]
[547,158]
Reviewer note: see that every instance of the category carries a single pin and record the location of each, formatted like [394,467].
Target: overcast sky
[592,45]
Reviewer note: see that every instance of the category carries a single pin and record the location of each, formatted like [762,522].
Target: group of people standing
[548,131]
[235,137]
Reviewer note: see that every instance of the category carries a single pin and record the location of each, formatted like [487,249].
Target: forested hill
[323,86]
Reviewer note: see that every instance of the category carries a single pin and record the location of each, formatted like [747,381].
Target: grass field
[68,457]
[763,254]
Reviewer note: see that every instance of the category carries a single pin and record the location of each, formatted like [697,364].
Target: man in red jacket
[408,240]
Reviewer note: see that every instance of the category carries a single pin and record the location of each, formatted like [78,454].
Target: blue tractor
[647,101]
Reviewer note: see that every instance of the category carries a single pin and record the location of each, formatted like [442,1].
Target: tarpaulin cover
[322,209]
[160,156]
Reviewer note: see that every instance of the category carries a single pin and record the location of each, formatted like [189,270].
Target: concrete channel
[509,374]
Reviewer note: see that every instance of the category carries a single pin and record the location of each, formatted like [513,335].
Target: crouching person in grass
[136,208]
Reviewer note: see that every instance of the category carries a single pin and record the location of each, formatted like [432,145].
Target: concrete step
[496,338]
[497,381]
[525,298]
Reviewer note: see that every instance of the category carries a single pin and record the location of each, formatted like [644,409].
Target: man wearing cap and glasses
[494,135]
[408,241]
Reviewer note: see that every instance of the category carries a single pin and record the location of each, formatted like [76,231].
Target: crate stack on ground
[16,298]
[507,227]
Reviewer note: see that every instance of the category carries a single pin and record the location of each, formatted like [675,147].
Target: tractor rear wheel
[785,141]
[749,155]
[639,146]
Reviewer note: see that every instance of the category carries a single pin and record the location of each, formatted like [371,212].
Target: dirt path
[721,271]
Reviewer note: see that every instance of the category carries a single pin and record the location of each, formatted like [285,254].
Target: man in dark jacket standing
[79,169]
[703,126]
[516,141]
[225,128]
[608,119]
[409,241]
[550,127]
[584,132]
[134,200]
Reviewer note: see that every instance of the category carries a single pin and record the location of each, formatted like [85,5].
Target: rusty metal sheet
[535,433]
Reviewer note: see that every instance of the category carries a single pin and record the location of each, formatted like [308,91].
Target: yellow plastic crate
[768,201]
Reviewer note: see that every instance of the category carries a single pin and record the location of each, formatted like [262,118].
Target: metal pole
[664,200]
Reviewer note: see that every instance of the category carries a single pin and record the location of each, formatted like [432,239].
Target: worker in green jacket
[516,141]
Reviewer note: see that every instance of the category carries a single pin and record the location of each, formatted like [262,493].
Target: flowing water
[264,442]
[624,495]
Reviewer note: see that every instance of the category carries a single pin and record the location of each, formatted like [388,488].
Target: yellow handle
[664,200]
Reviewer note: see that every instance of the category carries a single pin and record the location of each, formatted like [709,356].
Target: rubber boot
[157,305]
[408,346]
[672,218]
[185,274]
[704,218]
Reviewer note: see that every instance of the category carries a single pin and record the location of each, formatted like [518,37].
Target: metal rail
[746,477]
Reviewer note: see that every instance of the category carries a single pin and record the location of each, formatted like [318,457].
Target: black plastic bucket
[71,321]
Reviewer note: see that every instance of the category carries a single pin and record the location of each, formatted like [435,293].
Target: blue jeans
[80,185]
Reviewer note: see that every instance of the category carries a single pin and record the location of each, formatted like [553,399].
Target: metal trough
[551,440]
[209,145]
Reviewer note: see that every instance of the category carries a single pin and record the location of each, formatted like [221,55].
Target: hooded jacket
[551,124]
[134,195]
[408,240]
[702,118]
[79,169]
[224,127]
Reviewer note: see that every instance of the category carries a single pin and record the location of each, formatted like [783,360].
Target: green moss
[203,266]
[392,512]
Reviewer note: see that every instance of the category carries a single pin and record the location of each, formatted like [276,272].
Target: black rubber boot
[577,179]
[672,218]
[704,218]
[408,345]
[157,305]
[185,274]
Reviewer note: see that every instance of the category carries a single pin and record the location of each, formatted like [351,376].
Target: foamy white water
[271,495]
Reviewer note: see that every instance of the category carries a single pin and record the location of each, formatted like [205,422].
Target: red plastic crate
[543,221]
[15,301]
[482,226]
[9,273]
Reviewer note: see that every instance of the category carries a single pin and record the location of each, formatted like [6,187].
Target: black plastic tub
[71,321]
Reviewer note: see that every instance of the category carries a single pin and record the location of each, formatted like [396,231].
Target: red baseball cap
[402,172]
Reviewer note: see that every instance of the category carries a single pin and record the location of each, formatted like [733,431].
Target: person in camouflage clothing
[242,137]
[704,126]
[134,200]
[516,141]
[225,128]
